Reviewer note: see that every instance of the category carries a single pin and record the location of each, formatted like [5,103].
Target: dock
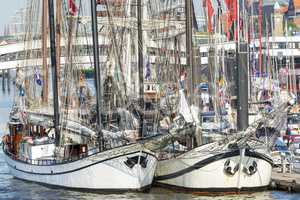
[288,181]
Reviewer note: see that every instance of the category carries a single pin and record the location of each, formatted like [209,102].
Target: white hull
[102,171]
[206,173]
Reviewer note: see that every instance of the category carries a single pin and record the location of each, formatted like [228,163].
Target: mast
[44,51]
[54,70]
[97,71]
[242,79]
[189,44]
[260,36]
[140,62]
[58,36]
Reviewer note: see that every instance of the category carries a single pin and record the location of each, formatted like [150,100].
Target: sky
[7,9]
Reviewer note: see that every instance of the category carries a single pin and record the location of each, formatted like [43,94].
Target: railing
[49,162]
[46,162]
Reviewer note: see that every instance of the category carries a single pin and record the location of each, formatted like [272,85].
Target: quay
[287,181]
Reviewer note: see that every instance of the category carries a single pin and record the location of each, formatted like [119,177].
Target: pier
[287,181]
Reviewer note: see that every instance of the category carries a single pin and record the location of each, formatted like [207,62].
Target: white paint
[213,175]
[109,174]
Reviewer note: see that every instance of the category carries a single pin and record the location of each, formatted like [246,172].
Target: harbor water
[11,188]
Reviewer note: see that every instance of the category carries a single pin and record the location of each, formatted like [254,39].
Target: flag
[72,7]
[148,70]
[37,77]
[210,12]
[231,15]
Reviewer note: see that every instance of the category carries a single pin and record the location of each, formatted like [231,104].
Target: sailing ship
[69,153]
[239,162]
[87,158]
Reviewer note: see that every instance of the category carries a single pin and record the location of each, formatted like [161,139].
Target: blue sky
[7,9]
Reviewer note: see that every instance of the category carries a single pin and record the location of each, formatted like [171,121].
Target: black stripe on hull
[144,189]
[211,191]
[212,159]
[70,171]
[258,155]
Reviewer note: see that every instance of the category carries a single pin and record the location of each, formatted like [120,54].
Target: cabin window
[208,119]
[282,45]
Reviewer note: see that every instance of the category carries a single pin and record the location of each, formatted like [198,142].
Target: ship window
[282,45]
[208,119]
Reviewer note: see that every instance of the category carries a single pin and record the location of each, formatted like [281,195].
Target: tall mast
[44,51]
[260,36]
[97,70]
[54,70]
[140,62]
[242,79]
[58,36]
[189,44]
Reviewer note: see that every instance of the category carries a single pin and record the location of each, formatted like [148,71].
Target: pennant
[72,7]
[210,12]
[148,70]
[231,15]
[37,77]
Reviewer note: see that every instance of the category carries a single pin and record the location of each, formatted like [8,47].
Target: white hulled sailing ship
[49,147]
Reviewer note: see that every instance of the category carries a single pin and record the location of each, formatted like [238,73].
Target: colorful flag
[72,7]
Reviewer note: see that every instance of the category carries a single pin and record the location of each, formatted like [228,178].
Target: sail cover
[184,108]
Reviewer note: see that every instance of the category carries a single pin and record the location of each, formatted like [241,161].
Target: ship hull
[102,171]
[211,173]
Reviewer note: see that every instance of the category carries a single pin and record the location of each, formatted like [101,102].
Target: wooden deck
[289,181]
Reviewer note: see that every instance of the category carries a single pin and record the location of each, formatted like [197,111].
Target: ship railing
[46,162]
[54,161]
